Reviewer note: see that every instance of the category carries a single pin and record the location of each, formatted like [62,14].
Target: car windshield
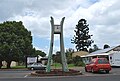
[102,61]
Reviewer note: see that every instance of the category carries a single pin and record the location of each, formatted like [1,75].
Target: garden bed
[56,72]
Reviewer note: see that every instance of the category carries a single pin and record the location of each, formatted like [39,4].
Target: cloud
[101,15]
[105,22]
[36,14]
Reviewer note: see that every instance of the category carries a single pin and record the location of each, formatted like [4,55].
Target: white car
[36,66]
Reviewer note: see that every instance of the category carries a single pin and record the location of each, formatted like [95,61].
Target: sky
[103,17]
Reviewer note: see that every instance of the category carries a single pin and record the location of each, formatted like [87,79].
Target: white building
[112,54]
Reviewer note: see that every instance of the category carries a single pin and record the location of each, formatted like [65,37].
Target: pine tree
[82,39]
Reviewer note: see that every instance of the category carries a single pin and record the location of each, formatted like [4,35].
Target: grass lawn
[18,67]
[54,66]
[15,67]
[58,65]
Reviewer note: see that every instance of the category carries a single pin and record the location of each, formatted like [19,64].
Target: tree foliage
[57,57]
[106,46]
[77,61]
[69,53]
[38,52]
[82,39]
[15,41]
[95,48]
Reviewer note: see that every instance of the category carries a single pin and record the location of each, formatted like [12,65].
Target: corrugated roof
[95,54]
[100,52]
[103,50]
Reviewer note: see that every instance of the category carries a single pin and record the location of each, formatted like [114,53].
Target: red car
[98,64]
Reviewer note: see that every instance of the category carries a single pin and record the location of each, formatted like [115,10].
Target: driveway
[114,71]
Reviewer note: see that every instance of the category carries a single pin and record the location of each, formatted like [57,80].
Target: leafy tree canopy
[15,41]
[39,52]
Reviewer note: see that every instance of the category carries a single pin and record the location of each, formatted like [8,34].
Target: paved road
[73,78]
[24,75]
[114,71]
[14,73]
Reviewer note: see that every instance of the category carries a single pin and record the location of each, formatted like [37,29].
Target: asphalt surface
[24,75]
[14,73]
[73,78]
[114,71]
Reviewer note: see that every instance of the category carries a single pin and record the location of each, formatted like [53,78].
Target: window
[102,61]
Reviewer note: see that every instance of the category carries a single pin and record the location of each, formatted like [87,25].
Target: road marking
[25,76]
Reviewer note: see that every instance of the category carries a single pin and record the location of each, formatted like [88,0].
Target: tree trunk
[8,64]
[0,64]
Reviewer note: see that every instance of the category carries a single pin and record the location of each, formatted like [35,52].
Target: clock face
[57,28]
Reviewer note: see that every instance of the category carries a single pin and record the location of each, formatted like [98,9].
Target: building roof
[95,54]
[103,51]
[79,53]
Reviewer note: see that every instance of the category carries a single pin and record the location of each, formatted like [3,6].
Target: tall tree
[15,41]
[82,39]
[106,46]
[38,52]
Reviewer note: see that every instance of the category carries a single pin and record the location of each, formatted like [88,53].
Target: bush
[80,63]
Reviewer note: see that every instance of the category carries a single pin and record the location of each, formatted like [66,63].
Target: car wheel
[32,68]
[107,71]
[44,68]
[86,69]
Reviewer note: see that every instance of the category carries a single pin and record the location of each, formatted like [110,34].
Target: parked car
[36,66]
[98,64]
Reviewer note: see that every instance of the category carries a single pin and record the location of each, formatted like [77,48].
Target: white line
[25,76]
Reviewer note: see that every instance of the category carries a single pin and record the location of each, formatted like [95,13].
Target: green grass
[15,67]
[18,67]
[71,65]
[58,65]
